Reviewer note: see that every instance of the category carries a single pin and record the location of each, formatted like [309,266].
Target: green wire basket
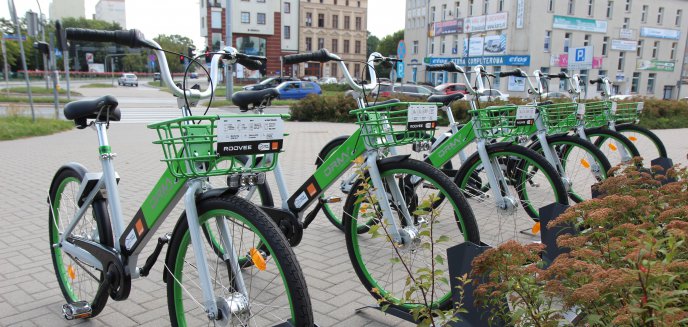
[597,113]
[502,121]
[190,146]
[626,112]
[396,124]
[560,117]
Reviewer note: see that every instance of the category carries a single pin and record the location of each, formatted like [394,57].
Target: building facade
[259,27]
[639,44]
[337,25]
[112,11]
[60,9]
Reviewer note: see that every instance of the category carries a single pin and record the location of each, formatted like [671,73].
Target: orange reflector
[633,138]
[334,199]
[258,259]
[71,272]
[585,163]
[536,228]
[359,160]
[612,146]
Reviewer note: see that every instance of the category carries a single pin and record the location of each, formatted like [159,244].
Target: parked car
[156,77]
[622,96]
[492,94]
[309,78]
[555,95]
[128,79]
[268,83]
[193,75]
[685,99]
[327,80]
[297,89]
[415,91]
[451,88]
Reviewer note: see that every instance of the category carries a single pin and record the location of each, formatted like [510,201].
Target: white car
[621,97]
[128,79]
[327,80]
[492,94]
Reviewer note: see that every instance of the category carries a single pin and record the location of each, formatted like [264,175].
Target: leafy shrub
[335,87]
[324,108]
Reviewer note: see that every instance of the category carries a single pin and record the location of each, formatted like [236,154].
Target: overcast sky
[155,17]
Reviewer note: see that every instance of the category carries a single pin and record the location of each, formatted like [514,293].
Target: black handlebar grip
[250,63]
[131,38]
[321,55]
[515,72]
[595,81]
[448,67]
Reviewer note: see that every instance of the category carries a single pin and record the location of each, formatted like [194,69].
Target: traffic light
[191,52]
[181,59]
[208,56]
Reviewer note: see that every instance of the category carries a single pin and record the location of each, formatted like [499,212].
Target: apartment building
[639,44]
[259,27]
[112,11]
[337,25]
[60,9]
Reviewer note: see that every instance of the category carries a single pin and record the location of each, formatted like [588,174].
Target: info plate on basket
[421,117]
[249,135]
[525,115]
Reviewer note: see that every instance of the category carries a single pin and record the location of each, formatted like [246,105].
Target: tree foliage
[373,42]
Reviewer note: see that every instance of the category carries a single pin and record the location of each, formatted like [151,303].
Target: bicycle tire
[649,145]
[574,153]
[67,182]
[525,171]
[281,265]
[359,245]
[599,137]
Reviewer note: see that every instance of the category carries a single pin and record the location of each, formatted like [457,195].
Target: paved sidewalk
[29,294]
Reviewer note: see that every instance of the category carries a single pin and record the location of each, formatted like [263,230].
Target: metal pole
[229,81]
[5,66]
[23,57]
[53,66]
[65,61]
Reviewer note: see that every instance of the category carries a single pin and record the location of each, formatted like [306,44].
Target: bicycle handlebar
[450,67]
[131,38]
[515,72]
[321,55]
[561,75]
[597,80]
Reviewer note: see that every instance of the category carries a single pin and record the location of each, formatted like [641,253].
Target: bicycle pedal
[332,199]
[77,310]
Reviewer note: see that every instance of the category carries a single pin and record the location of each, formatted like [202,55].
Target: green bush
[324,108]
[335,87]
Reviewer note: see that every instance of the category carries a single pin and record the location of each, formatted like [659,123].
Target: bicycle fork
[495,177]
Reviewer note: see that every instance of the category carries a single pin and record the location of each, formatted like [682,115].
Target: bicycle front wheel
[275,286]
[78,281]
[609,142]
[649,145]
[527,183]
[389,270]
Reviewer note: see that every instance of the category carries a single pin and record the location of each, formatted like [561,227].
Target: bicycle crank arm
[117,277]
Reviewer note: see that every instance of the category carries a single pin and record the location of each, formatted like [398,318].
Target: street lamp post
[229,81]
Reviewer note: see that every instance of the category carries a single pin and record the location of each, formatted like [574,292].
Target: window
[643,16]
[626,23]
[335,21]
[470,8]
[321,20]
[610,8]
[443,45]
[216,19]
[486,4]
[621,61]
[347,2]
[202,21]
[550,5]
[628,5]
[599,85]
[357,69]
[217,41]
[586,40]
[309,19]
[639,50]
[321,1]
[635,81]
[347,22]
[245,17]
[359,23]
[548,41]
[309,44]
[457,12]
[333,68]
[432,14]
[287,32]
[455,45]
[358,4]
[562,82]
[660,15]
[651,82]
[346,46]
[335,45]
[672,56]
[432,45]
[497,70]
[570,8]
[655,49]
[357,46]
[415,47]
[605,42]
[321,43]
[679,13]
[444,12]
[567,42]
[287,7]
[584,80]
[261,18]
[591,4]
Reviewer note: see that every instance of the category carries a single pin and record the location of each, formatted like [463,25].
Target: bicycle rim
[582,168]
[647,145]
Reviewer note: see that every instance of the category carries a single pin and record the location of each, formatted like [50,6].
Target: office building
[60,9]
[112,11]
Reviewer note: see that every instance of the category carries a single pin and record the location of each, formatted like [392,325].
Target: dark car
[156,76]
[268,83]
[298,89]
[451,88]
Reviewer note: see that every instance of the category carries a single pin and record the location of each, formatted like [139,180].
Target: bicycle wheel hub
[509,204]
[234,310]
[410,239]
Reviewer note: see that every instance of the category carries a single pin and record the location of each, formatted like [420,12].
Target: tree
[387,47]
[175,43]
[373,42]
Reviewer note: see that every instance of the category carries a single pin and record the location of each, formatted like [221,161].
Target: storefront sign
[474,24]
[563,61]
[517,84]
[627,34]
[623,45]
[660,33]
[494,45]
[496,21]
[656,65]
[520,13]
[513,60]
[476,46]
[448,27]
[579,24]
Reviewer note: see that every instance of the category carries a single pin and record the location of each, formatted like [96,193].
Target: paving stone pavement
[29,294]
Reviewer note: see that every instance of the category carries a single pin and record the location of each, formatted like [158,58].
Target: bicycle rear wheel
[531,181]
[608,142]
[276,288]
[649,145]
[77,280]
[388,270]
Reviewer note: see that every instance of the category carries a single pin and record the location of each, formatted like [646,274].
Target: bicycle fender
[334,142]
[393,159]
[71,165]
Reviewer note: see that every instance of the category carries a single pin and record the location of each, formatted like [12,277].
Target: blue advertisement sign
[512,60]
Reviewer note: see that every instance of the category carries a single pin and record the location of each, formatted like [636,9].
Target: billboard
[623,45]
[579,24]
[448,27]
[660,33]
[656,65]
[507,60]
[483,23]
